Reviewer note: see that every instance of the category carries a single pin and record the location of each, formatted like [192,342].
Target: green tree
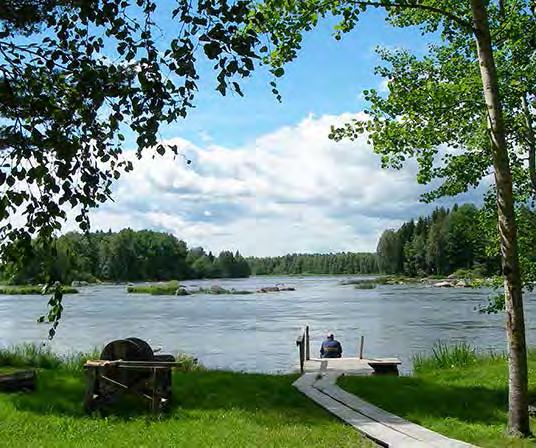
[203,267]
[80,79]
[388,251]
[435,104]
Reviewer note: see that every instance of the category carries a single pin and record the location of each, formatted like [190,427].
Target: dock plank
[385,428]
[328,386]
[374,430]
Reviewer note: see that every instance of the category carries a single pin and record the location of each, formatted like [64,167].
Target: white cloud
[383,87]
[292,190]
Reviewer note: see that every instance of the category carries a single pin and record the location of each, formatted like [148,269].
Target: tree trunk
[518,416]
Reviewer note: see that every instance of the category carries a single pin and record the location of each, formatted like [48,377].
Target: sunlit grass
[445,356]
[455,391]
[209,409]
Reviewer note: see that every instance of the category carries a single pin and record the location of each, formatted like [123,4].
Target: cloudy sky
[265,178]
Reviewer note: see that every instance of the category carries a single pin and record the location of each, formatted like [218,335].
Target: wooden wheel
[127,350]
[144,346]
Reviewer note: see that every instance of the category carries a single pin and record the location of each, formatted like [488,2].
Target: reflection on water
[257,332]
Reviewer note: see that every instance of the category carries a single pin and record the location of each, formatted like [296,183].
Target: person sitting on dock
[331,348]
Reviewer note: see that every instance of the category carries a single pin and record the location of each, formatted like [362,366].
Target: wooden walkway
[386,429]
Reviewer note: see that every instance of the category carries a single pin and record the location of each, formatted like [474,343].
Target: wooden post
[361,347]
[300,342]
[91,383]
[307,344]
[301,358]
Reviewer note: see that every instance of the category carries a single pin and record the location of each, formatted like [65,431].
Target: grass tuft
[169,288]
[445,356]
[31,289]
[42,357]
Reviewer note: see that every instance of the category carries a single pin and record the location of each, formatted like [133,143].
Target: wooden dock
[348,366]
[319,383]
[384,428]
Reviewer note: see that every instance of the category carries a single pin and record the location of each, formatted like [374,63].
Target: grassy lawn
[466,402]
[211,409]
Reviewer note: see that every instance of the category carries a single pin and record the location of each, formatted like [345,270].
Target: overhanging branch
[465,24]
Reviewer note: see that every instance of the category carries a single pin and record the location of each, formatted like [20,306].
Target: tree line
[439,244]
[127,255]
[463,237]
[338,263]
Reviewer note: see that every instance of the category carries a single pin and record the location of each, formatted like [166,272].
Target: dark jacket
[331,349]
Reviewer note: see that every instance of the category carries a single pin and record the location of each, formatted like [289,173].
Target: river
[257,332]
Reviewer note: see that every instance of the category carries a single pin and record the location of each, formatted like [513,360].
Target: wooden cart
[129,366]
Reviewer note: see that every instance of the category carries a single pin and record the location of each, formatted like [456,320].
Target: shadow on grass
[417,398]
[60,392]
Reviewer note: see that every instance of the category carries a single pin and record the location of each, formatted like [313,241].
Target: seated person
[331,348]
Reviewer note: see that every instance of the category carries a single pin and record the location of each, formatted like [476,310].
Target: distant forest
[339,263]
[461,238]
[438,244]
[127,255]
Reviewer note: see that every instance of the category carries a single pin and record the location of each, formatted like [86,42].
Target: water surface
[257,332]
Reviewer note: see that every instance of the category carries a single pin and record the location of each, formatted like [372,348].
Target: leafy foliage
[440,244]
[79,78]
[123,256]
[341,263]
[434,111]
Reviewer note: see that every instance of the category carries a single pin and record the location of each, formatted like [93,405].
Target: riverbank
[451,281]
[209,409]
[455,392]
[31,289]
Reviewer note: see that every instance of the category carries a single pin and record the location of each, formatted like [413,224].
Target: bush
[475,273]
[160,289]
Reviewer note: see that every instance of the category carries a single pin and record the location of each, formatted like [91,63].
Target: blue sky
[327,78]
[265,179]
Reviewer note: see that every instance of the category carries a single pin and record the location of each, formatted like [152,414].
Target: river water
[257,332]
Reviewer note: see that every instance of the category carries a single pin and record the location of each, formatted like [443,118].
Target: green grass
[455,391]
[34,356]
[31,289]
[446,357]
[169,288]
[209,409]
[175,288]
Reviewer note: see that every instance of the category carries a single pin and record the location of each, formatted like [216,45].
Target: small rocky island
[174,288]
